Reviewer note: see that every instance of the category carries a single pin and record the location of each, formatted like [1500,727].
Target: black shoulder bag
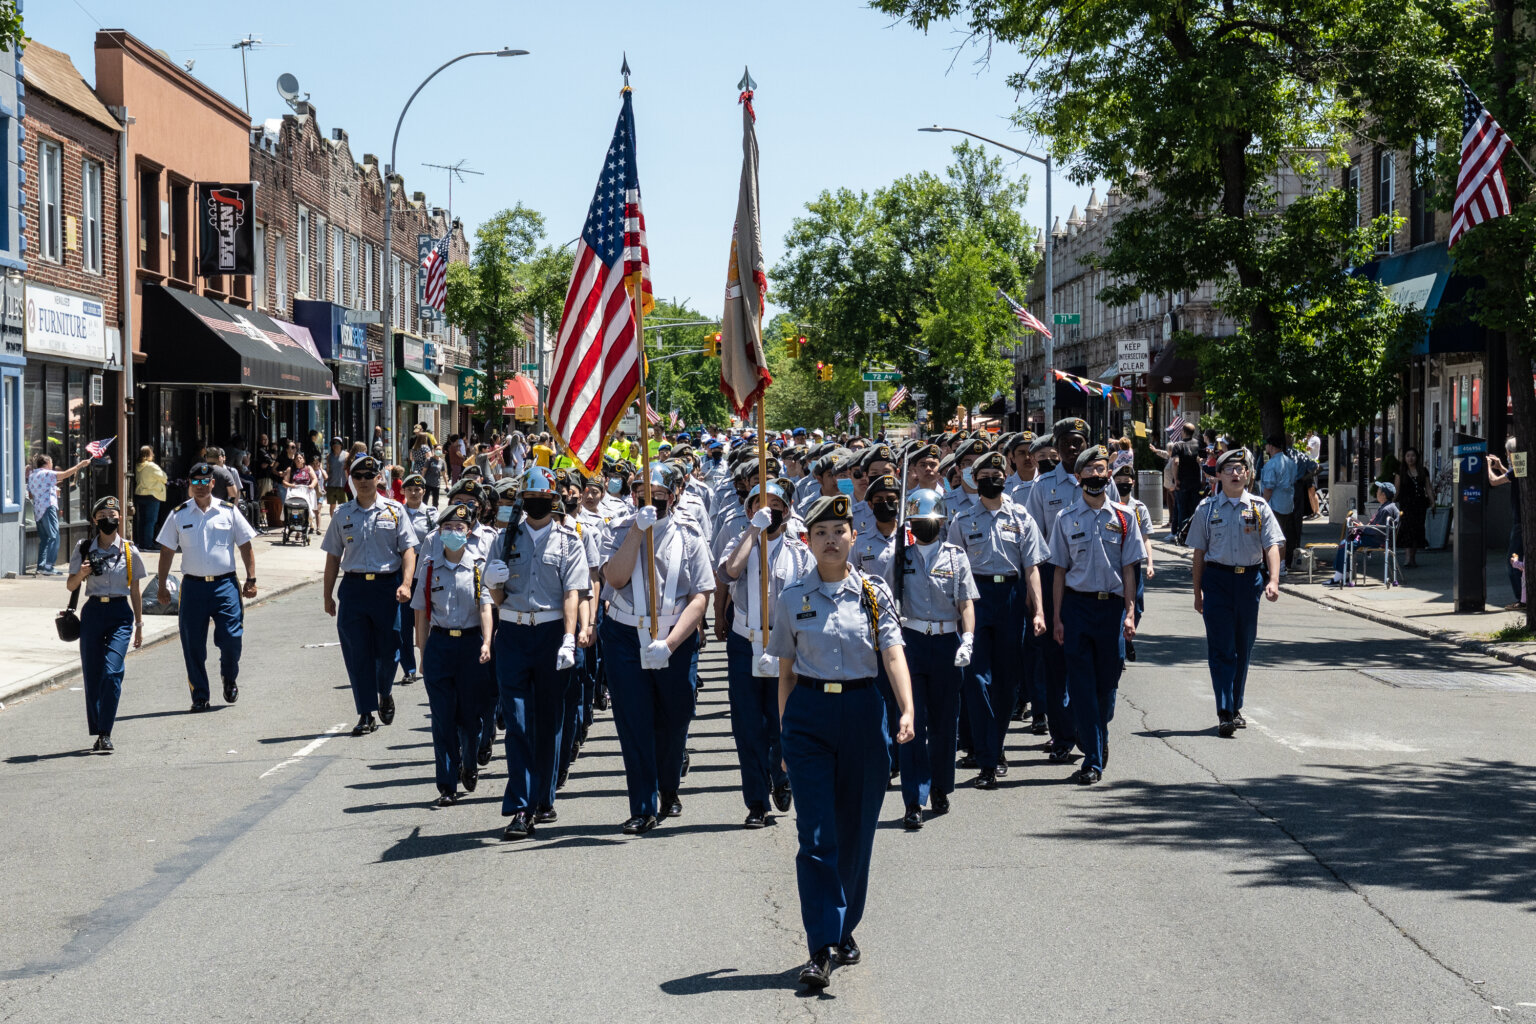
[67,622]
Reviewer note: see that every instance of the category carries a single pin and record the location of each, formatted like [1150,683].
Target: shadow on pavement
[726,979]
[1459,827]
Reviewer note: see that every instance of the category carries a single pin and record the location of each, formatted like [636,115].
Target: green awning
[411,386]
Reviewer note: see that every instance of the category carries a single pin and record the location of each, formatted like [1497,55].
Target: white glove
[645,517]
[767,665]
[657,655]
[495,573]
[762,519]
[566,657]
[963,655]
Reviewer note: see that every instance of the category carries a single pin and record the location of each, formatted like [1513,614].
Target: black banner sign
[227,215]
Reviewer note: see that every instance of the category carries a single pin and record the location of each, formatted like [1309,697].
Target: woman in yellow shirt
[148,495]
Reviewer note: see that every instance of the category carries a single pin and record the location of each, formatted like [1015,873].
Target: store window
[322,241]
[1386,193]
[280,271]
[149,219]
[11,458]
[181,230]
[56,408]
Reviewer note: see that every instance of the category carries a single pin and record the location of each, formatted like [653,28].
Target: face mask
[991,487]
[660,505]
[107,527]
[570,503]
[1046,465]
[454,540]
[1095,486]
[775,519]
[504,514]
[845,485]
[538,508]
[925,530]
[1126,487]
[968,478]
[615,485]
[884,512]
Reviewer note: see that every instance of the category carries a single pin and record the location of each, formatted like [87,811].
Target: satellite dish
[288,89]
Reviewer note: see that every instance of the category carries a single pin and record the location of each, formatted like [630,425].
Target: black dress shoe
[445,798]
[483,755]
[968,761]
[1238,720]
[97,745]
[783,797]
[199,705]
[913,820]
[1086,776]
[848,952]
[671,806]
[231,691]
[1226,727]
[518,827]
[386,708]
[987,779]
[410,677]
[364,725]
[755,819]
[686,761]
[1130,650]
[545,816]
[501,723]
[562,778]
[600,700]
[1002,767]
[817,974]
[940,803]
[104,744]
[1039,727]
[1060,756]
[639,825]
[469,775]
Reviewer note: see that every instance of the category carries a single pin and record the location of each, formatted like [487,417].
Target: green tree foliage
[1194,109]
[688,383]
[916,266]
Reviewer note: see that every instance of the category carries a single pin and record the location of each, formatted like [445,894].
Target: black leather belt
[1097,595]
[374,575]
[833,685]
[987,577]
[208,579]
[466,631]
[1238,570]
[108,600]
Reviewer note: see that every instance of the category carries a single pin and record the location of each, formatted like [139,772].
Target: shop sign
[351,375]
[62,324]
[13,313]
[376,384]
[413,354]
[471,388]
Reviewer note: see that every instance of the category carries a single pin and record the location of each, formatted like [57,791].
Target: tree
[688,383]
[1193,109]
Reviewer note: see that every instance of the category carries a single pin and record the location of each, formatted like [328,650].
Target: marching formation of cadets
[921,597]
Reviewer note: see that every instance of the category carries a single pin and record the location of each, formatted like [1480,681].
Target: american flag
[853,412]
[837,419]
[96,449]
[435,294]
[1176,425]
[1023,315]
[672,418]
[597,370]
[899,397]
[1481,191]
[651,415]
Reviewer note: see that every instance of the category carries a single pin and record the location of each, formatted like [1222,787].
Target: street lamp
[389,236]
[1050,353]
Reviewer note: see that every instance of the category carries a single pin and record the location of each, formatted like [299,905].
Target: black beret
[926,451]
[465,486]
[880,484]
[966,447]
[829,508]
[991,460]
[505,488]
[470,472]
[1090,455]
[1071,425]
[1041,443]
[456,514]
[880,453]
[414,480]
[109,503]
[200,469]
[946,463]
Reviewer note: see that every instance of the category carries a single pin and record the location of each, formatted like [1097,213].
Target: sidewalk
[1422,605]
[34,658]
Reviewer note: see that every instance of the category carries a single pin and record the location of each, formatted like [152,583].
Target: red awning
[519,391]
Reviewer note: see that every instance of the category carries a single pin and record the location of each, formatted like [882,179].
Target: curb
[1445,636]
[61,676]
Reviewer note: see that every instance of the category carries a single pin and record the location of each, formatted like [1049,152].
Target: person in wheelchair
[1369,535]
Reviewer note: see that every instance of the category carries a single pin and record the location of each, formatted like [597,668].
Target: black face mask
[1046,465]
[925,530]
[989,487]
[775,519]
[660,505]
[884,511]
[571,504]
[1095,486]
[107,527]
[538,508]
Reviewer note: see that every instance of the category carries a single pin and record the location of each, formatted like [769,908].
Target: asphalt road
[1363,852]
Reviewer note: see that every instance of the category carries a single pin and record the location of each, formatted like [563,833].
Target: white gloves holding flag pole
[762,519]
[656,655]
[645,517]
[566,657]
[963,655]
[495,573]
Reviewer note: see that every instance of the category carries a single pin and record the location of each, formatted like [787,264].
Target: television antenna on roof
[250,42]
[458,171]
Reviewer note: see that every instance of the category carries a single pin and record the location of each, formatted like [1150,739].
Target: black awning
[193,340]
[1172,375]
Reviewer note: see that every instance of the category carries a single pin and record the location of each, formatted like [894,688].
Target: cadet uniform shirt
[369,539]
[937,578]
[695,574]
[591,548]
[543,565]
[114,578]
[478,549]
[1001,543]
[1143,516]
[873,552]
[1234,531]
[729,527]
[1017,490]
[828,628]
[613,507]
[1052,493]
[458,593]
[1093,545]
[207,538]
[959,501]
[423,520]
[788,560]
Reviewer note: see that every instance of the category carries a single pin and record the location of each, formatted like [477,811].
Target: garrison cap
[1090,455]
[1071,425]
[991,460]
[111,504]
[829,508]
[881,484]
[457,514]
[1239,455]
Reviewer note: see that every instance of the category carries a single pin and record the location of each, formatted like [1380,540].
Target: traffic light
[712,345]
[802,339]
[824,370]
[791,349]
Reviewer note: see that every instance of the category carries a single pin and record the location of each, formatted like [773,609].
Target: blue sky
[841,92]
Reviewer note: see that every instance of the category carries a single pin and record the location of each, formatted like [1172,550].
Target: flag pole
[638,295]
[762,487]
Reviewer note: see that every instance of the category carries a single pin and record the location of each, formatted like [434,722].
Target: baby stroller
[296,521]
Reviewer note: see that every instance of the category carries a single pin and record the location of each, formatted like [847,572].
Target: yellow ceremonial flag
[1140,428]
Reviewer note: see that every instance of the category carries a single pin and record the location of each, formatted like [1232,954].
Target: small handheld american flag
[1177,424]
[435,294]
[96,449]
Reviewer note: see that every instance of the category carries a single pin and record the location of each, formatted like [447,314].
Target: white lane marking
[304,751]
[1355,741]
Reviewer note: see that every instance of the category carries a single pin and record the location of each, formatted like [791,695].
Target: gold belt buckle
[104,600]
[455,632]
[999,579]
[1239,569]
[369,575]
[832,688]
[1103,595]
[207,579]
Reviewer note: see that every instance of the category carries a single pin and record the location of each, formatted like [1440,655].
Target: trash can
[1149,488]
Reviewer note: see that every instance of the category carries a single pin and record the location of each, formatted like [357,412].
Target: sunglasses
[365,475]
[201,481]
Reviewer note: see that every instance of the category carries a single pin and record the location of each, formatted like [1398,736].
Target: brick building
[14,506]
[73,390]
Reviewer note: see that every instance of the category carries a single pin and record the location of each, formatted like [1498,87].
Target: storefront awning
[307,343]
[519,391]
[196,341]
[411,386]
[1172,375]
[1422,279]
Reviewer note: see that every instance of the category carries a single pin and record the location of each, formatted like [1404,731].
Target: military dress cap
[829,508]
[111,504]
[1070,425]
[1041,443]
[991,460]
[881,484]
[199,469]
[926,503]
[1238,455]
[414,480]
[457,514]
[364,464]
[1090,455]
[776,489]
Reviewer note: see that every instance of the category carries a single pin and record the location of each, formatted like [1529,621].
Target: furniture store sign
[62,324]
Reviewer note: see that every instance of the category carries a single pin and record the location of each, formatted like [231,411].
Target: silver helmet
[926,503]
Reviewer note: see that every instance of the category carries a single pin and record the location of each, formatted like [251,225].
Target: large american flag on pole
[1023,315]
[435,293]
[596,361]
[1481,191]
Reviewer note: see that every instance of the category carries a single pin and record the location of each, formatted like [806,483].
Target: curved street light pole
[1049,345]
[389,240]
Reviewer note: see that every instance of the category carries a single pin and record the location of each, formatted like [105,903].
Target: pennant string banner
[1096,388]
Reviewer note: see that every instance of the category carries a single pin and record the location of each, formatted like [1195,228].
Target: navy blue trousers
[456,684]
[992,678]
[1093,649]
[219,601]
[407,640]
[928,762]
[1053,667]
[533,703]
[106,630]
[368,623]
[835,744]
[754,724]
[651,711]
[578,705]
[1231,626]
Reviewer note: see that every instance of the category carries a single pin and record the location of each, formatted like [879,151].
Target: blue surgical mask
[504,514]
[845,485]
[615,485]
[454,540]
[965,475]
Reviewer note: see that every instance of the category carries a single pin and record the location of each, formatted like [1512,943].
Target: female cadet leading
[938,623]
[753,674]
[829,631]
[113,616]
[453,628]
[1236,541]
[650,680]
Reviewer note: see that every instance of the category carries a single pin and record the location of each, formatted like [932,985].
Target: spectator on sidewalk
[1186,454]
[1413,497]
[1502,475]
[336,475]
[1278,480]
[148,494]
[432,476]
[43,487]
[1373,535]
